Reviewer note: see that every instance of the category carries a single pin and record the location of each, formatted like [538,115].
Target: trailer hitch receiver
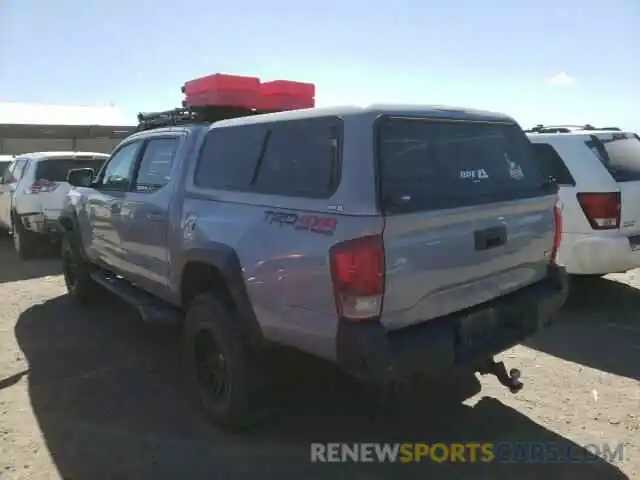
[510,379]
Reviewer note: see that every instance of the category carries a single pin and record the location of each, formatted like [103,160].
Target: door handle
[155,216]
[490,238]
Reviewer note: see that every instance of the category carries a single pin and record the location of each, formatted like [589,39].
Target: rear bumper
[597,254]
[438,346]
[41,224]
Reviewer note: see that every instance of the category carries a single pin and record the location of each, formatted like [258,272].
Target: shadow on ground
[111,403]
[14,270]
[599,328]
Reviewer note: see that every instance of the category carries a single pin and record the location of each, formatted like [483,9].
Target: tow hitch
[510,379]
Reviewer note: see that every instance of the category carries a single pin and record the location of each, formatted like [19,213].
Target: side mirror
[80,177]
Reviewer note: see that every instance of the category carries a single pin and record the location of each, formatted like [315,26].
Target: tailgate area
[468,216]
[457,341]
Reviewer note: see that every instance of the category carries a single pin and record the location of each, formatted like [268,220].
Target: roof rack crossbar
[187,115]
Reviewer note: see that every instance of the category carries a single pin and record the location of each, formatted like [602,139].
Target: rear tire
[77,274]
[217,363]
[25,243]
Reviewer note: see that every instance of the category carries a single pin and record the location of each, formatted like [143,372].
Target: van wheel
[217,363]
[77,274]
[25,242]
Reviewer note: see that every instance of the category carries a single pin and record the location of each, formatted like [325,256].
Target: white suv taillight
[601,209]
[357,272]
[41,186]
[557,231]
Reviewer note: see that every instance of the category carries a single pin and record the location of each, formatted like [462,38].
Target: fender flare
[224,258]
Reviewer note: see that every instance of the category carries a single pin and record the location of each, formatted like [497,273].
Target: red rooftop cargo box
[223,90]
[286,95]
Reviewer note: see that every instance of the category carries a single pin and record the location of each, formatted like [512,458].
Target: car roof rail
[540,128]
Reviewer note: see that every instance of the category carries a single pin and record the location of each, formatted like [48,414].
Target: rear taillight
[41,186]
[557,231]
[357,272]
[601,209]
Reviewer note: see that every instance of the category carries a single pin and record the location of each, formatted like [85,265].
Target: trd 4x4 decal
[311,223]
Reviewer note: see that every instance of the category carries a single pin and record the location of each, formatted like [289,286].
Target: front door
[104,206]
[145,215]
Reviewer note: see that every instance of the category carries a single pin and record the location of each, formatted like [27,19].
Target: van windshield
[433,164]
[56,170]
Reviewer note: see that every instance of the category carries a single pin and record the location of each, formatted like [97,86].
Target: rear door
[50,180]
[467,215]
[619,152]
[145,215]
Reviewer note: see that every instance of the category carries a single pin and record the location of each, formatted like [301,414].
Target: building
[28,128]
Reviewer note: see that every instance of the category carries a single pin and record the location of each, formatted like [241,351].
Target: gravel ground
[89,393]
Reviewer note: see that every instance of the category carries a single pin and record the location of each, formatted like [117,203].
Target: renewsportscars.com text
[507,452]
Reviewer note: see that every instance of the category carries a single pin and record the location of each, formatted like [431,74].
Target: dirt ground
[89,393]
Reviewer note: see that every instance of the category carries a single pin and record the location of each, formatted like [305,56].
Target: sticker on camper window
[475,175]
[515,170]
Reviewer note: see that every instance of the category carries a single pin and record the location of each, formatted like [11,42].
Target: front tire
[77,274]
[217,363]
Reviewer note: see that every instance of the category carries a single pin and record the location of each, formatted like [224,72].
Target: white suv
[598,172]
[5,161]
[32,193]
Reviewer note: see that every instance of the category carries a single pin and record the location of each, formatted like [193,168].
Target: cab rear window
[429,164]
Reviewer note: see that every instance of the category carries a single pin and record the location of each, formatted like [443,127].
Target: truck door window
[117,175]
[156,164]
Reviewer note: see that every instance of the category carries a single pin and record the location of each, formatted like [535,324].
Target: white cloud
[561,80]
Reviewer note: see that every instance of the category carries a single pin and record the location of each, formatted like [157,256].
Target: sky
[541,61]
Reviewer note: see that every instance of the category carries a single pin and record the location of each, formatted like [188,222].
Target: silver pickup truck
[394,241]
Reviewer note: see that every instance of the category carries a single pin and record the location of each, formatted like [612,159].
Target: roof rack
[568,128]
[187,115]
[221,96]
